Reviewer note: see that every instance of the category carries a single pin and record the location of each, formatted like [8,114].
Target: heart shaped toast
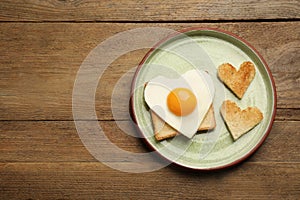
[163,130]
[237,81]
[240,121]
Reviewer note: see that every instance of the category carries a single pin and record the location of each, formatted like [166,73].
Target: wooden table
[43,44]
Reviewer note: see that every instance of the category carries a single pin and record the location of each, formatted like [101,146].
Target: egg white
[199,82]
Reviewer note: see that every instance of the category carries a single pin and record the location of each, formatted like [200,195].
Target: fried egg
[182,102]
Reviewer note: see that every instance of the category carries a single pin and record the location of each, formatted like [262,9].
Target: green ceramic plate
[206,49]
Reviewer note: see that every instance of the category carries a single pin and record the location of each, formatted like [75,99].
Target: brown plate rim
[134,117]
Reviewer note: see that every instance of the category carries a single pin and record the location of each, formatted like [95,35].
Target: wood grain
[86,180]
[40,141]
[42,45]
[287,114]
[39,62]
[146,10]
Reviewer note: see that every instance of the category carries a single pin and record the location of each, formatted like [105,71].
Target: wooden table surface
[42,45]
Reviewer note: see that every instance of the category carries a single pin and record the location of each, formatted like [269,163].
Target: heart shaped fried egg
[182,102]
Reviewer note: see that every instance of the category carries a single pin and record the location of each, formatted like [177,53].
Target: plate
[205,49]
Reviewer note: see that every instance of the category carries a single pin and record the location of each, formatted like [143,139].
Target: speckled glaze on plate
[214,149]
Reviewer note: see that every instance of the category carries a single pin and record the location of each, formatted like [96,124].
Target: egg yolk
[181,101]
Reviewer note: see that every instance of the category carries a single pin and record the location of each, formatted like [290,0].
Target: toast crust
[163,130]
[237,81]
[240,121]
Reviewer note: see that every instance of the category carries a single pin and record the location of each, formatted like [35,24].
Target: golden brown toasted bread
[240,121]
[163,130]
[237,81]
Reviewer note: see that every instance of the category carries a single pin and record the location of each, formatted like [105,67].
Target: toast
[237,81]
[240,121]
[163,130]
